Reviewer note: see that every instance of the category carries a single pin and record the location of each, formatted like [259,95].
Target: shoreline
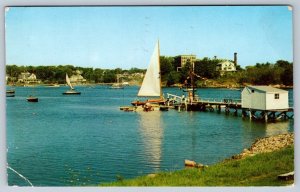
[255,166]
[136,84]
[266,145]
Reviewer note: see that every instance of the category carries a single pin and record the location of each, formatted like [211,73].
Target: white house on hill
[226,66]
[264,98]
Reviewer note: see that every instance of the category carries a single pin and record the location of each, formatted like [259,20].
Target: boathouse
[264,98]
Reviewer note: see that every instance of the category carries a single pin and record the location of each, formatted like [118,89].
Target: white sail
[68,82]
[151,85]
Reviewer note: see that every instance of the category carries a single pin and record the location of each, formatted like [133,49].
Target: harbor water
[85,140]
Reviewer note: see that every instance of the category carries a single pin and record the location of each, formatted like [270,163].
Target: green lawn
[259,170]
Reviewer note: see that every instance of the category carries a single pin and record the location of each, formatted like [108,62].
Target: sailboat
[32,98]
[117,85]
[9,92]
[72,90]
[151,86]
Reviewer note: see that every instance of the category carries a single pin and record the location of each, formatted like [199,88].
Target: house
[28,78]
[264,98]
[227,65]
[77,78]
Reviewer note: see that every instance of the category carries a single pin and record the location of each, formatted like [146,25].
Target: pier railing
[183,99]
[219,100]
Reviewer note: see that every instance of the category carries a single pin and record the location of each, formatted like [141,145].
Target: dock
[230,106]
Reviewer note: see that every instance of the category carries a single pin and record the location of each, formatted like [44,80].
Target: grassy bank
[259,170]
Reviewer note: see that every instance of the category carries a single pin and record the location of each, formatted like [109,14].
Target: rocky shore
[267,144]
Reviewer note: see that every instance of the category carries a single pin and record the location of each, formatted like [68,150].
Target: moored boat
[71,92]
[10,95]
[10,91]
[151,86]
[32,99]
[117,85]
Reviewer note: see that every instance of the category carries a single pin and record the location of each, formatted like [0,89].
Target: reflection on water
[87,140]
[151,130]
[253,130]
[277,128]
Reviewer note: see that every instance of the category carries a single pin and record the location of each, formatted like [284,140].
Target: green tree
[172,78]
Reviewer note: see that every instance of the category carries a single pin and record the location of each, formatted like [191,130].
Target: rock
[199,165]
[151,175]
[267,144]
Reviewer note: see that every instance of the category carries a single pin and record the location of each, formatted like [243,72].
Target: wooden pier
[230,106]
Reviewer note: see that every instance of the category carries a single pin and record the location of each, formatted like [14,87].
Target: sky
[124,37]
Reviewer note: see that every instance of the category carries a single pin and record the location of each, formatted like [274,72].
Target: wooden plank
[286,176]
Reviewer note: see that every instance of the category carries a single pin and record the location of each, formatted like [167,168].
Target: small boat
[10,95]
[151,86]
[72,91]
[117,85]
[10,91]
[32,99]
[189,89]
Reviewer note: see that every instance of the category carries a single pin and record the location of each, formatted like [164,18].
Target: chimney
[235,59]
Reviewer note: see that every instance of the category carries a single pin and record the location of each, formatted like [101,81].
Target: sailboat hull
[151,101]
[71,92]
[10,91]
[10,95]
[32,99]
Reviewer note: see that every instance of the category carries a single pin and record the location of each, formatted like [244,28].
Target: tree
[109,76]
[166,66]
[172,78]
[207,68]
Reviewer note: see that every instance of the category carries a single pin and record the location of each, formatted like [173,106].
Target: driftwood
[286,176]
[190,163]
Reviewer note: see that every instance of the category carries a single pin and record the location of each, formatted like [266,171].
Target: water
[86,140]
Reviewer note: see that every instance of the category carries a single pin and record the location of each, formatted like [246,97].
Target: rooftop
[265,88]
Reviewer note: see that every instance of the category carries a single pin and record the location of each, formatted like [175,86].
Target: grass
[259,170]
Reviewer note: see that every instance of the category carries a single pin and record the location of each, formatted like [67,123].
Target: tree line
[280,72]
[57,74]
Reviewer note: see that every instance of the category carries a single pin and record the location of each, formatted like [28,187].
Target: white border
[296,38]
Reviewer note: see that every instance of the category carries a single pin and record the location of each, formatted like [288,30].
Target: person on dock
[190,97]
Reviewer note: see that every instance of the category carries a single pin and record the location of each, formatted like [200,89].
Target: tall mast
[192,80]
[159,68]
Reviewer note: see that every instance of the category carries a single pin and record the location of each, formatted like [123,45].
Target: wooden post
[250,115]
[266,116]
[227,111]
[236,111]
